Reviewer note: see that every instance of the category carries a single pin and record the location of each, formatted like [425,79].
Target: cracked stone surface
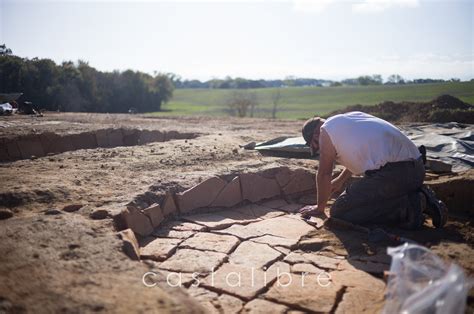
[262,306]
[158,249]
[238,280]
[211,242]
[262,258]
[293,291]
[276,241]
[190,261]
[253,254]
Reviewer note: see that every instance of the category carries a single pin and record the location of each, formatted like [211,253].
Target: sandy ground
[69,262]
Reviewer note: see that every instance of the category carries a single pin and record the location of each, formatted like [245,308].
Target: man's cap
[308,129]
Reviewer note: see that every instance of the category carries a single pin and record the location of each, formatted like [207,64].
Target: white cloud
[375,6]
[316,6]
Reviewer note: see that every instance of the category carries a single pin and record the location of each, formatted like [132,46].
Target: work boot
[414,215]
[435,208]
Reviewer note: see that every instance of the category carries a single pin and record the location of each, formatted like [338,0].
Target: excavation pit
[236,242]
[49,143]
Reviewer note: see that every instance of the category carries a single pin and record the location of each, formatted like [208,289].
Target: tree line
[79,87]
[291,81]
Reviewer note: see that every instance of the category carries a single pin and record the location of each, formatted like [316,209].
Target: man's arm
[327,157]
[338,183]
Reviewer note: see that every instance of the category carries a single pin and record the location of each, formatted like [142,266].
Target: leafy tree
[395,79]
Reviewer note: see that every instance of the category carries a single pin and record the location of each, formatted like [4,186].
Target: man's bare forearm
[344,175]
[323,186]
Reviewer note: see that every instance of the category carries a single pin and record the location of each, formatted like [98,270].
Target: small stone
[130,244]
[52,211]
[259,306]
[5,213]
[99,214]
[211,242]
[72,208]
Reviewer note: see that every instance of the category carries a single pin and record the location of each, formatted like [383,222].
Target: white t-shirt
[364,142]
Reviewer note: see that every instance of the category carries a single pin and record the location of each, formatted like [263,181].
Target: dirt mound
[445,108]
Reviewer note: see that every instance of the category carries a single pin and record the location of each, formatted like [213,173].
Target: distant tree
[240,102]
[4,50]
[455,80]
[276,97]
[395,79]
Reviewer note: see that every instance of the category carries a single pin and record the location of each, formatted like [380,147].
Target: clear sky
[330,39]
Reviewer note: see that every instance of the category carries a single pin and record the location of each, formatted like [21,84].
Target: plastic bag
[420,282]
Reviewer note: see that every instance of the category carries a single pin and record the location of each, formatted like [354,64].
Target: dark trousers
[381,196]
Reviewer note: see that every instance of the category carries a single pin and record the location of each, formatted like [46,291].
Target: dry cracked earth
[61,248]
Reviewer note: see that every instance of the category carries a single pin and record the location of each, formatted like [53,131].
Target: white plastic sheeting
[451,143]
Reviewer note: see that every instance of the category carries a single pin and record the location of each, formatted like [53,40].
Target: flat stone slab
[241,231]
[276,241]
[259,212]
[239,217]
[275,204]
[320,261]
[357,279]
[170,233]
[356,300]
[284,227]
[304,292]
[200,195]
[259,306]
[186,226]
[238,280]
[291,208]
[206,298]
[305,268]
[253,254]
[190,261]
[211,220]
[230,304]
[211,242]
[158,249]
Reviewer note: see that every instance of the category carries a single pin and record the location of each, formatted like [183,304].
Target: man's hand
[312,210]
[336,185]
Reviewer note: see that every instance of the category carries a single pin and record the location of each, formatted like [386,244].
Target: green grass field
[303,102]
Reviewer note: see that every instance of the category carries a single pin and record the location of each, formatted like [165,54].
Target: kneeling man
[390,164]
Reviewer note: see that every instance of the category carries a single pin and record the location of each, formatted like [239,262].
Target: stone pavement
[266,259]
